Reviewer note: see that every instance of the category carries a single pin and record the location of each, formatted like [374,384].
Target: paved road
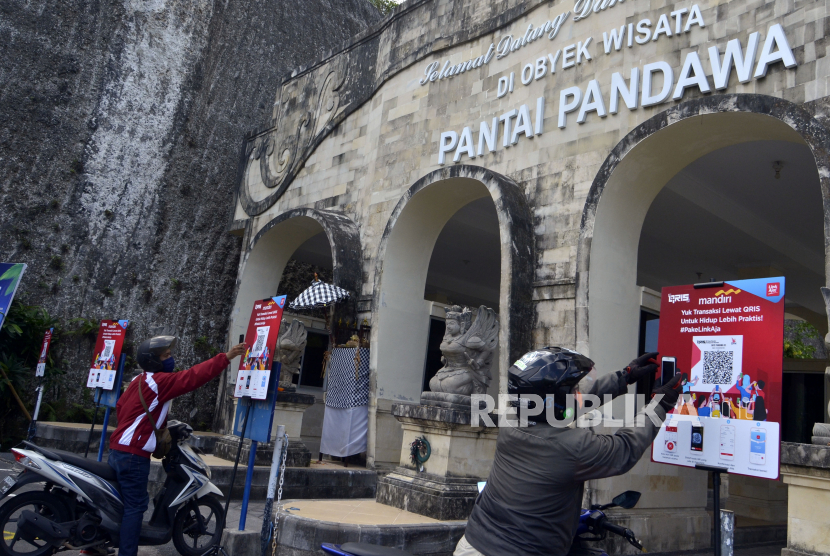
[254,523]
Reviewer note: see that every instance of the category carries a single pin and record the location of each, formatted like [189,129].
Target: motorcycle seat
[101,469]
[365,549]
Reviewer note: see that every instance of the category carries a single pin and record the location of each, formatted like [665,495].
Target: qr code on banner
[717,367]
[260,343]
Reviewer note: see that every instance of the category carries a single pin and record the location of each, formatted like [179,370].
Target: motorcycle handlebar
[623,532]
[616,529]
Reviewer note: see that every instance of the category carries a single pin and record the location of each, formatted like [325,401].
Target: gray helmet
[150,350]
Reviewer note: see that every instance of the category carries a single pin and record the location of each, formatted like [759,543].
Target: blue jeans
[133,473]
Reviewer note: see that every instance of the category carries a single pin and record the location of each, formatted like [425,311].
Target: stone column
[805,468]
[460,457]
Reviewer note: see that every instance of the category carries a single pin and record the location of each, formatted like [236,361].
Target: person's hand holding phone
[236,351]
[671,393]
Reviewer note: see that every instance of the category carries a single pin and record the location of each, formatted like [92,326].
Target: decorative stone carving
[290,347]
[467,350]
[825,292]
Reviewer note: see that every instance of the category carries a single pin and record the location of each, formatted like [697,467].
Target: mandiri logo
[773,289]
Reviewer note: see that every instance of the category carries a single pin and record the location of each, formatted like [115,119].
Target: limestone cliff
[120,130]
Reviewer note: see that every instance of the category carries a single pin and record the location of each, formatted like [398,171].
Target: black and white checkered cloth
[344,390]
[319,294]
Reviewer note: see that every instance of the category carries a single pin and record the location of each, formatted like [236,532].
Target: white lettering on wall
[652,84]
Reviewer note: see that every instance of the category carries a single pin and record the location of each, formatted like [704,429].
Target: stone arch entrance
[635,172]
[271,248]
[398,335]
[269,251]
[609,298]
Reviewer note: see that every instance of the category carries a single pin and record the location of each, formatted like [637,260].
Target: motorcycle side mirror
[627,499]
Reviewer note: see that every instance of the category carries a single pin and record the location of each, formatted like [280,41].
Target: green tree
[797,338]
[385,6]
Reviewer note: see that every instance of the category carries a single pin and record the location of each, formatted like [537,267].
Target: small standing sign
[103,370]
[255,366]
[40,370]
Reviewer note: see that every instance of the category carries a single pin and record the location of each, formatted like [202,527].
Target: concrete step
[320,481]
[73,437]
[325,480]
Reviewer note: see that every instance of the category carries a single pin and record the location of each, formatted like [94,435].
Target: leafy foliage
[385,6]
[797,338]
[202,344]
[20,341]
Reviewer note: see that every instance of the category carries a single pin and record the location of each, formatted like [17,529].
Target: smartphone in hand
[669,368]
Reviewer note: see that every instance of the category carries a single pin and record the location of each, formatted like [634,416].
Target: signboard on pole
[728,341]
[261,415]
[40,370]
[255,366]
[109,398]
[107,352]
[10,274]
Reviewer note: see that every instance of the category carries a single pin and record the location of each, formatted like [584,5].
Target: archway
[642,173]
[269,251]
[632,176]
[400,314]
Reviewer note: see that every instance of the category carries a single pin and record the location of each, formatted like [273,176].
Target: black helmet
[549,372]
[149,351]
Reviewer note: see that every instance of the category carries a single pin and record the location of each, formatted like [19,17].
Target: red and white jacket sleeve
[134,433]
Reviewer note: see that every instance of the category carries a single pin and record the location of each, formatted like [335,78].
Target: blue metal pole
[248,478]
[104,434]
[117,386]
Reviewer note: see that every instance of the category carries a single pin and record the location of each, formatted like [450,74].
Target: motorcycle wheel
[198,526]
[38,502]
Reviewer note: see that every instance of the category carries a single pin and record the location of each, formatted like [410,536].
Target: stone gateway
[557,162]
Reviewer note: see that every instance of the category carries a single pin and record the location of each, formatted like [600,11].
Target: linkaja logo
[674,298]
[773,288]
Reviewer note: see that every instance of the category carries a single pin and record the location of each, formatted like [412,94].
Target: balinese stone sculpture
[468,351]
[290,347]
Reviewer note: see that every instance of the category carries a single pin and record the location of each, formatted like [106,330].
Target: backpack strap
[146,409]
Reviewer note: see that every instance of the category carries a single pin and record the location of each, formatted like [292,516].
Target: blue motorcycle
[593,526]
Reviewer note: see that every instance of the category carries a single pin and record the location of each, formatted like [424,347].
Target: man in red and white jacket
[133,440]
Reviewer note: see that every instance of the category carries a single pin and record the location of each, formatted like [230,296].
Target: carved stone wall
[120,126]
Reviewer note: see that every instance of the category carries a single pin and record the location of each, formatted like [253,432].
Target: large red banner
[263,330]
[107,352]
[728,342]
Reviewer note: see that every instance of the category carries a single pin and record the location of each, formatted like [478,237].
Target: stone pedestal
[461,456]
[805,468]
[289,412]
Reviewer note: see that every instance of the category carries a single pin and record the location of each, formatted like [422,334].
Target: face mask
[168,365]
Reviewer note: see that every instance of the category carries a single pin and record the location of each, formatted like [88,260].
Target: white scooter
[79,505]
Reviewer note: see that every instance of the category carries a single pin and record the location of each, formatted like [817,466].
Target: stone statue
[467,350]
[290,347]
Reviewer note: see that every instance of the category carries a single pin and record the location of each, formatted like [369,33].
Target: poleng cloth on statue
[348,380]
[346,420]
